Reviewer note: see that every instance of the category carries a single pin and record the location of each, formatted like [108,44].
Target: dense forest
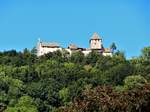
[58,82]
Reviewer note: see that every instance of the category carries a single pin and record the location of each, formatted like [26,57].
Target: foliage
[60,82]
[106,99]
[25,104]
[146,52]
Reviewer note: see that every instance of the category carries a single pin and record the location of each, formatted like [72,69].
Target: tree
[64,95]
[61,82]
[92,58]
[104,63]
[106,99]
[77,57]
[25,104]
[146,52]
[34,51]
[113,47]
[133,82]
[12,87]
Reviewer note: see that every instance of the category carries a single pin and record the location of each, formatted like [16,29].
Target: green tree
[77,57]
[146,52]
[34,50]
[92,58]
[64,95]
[25,104]
[135,81]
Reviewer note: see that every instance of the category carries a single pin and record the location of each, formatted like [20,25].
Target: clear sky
[125,22]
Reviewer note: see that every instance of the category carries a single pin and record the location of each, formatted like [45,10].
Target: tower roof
[95,36]
[72,46]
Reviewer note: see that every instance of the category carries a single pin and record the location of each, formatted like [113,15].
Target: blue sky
[125,22]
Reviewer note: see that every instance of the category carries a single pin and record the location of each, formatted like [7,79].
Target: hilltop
[58,82]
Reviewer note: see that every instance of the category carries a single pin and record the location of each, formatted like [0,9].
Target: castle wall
[43,50]
[95,44]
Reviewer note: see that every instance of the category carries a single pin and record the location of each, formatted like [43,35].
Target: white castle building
[95,45]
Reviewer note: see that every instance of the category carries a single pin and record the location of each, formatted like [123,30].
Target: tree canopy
[59,82]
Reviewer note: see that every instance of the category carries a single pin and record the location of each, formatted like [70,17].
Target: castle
[95,45]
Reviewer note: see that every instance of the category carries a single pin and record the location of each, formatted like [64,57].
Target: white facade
[95,44]
[86,52]
[41,50]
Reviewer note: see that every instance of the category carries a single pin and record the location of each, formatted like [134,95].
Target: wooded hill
[58,82]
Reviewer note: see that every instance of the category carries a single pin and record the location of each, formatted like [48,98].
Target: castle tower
[96,42]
